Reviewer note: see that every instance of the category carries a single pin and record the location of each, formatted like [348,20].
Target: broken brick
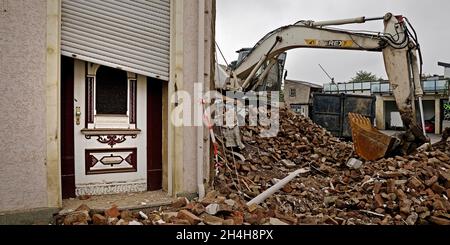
[98,219]
[198,208]
[126,215]
[438,188]
[378,201]
[180,202]
[79,217]
[412,219]
[439,221]
[212,220]
[438,205]
[431,181]
[390,186]
[377,187]
[238,218]
[112,212]
[83,207]
[193,219]
[228,222]
[415,183]
[287,188]
[405,206]
[252,207]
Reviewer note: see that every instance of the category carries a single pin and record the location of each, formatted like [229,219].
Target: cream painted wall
[301,96]
[183,142]
[23,172]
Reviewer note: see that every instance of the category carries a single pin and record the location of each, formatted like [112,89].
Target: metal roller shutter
[132,35]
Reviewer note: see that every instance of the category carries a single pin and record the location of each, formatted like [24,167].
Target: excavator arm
[399,48]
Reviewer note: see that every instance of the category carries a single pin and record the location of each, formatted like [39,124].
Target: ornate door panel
[110,130]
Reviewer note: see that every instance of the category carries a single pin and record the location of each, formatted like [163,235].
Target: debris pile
[334,186]
[338,189]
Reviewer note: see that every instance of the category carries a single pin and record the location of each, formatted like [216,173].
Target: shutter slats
[132,35]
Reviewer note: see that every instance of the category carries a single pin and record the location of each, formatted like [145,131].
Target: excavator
[402,59]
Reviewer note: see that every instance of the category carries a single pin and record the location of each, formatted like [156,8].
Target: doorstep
[129,201]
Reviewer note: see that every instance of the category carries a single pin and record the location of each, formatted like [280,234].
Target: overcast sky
[241,23]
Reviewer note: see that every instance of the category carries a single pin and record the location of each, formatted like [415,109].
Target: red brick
[99,219]
[438,188]
[193,219]
[439,221]
[238,218]
[390,188]
[377,187]
[431,181]
[378,201]
[438,205]
[83,207]
[405,206]
[400,194]
[112,212]
[415,183]
[180,202]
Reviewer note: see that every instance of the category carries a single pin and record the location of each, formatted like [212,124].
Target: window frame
[292,92]
[109,121]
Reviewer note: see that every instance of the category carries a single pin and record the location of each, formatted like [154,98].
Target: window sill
[110,131]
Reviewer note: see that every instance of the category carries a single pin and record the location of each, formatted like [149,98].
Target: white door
[110,130]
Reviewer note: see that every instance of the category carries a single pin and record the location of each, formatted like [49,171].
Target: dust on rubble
[403,190]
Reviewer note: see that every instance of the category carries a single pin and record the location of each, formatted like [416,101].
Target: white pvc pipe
[261,197]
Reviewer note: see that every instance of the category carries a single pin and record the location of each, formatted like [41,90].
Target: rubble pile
[402,190]
[335,187]
[214,209]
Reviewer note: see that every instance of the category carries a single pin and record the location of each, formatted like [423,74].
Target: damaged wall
[23,176]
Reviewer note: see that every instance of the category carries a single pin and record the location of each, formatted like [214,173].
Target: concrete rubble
[338,188]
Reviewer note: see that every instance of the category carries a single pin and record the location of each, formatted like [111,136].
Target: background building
[446,69]
[298,95]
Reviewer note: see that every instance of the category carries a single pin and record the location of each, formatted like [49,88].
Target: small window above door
[111,93]
[110,98]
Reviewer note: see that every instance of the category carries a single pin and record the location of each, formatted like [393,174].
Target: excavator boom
[399,48]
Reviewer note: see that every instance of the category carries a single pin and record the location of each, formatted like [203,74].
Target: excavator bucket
[369,143]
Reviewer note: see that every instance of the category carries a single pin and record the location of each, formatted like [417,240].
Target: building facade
[88,93]
[298,95]
[446,69]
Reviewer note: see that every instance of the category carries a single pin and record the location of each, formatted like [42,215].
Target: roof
[313,85]
[446,65]
[243,50]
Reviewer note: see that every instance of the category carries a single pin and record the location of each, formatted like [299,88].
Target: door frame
[154,130]
[154,134]
[67,128]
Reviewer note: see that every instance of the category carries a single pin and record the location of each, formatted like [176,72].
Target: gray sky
[241,23]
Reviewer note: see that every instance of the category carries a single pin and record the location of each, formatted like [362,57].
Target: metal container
[331,111]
